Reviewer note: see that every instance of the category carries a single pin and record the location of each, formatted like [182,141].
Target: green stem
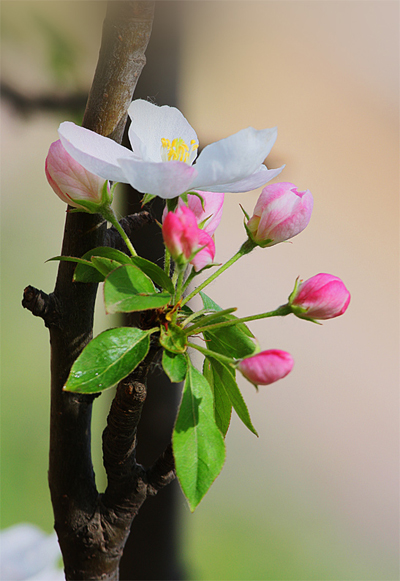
[246,247]
[190,318]
[167,262]
[212,354]
[189,279]
[109,214]
[207,319]
[279,312]
[178,291]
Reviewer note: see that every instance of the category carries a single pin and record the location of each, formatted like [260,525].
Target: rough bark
[92,528]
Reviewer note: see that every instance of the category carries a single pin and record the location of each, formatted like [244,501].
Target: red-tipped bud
[322,296]
[266,367]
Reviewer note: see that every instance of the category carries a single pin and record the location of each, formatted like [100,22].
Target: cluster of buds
[186,242]
[281,212]
[188,231]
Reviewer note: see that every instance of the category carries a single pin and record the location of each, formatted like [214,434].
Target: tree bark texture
[92,528]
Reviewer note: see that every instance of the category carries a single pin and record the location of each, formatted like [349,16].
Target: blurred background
[315,497]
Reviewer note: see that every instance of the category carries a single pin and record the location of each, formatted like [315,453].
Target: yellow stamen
[178,150]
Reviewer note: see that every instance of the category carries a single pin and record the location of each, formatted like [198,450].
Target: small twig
[162,472]
[28,104]
[42,305]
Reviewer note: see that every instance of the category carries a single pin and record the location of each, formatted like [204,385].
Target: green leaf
[128,289]
[224,381]
[105,265]
[174,365]
[107,359]
[147,198]
[69,259]
[173,338]
[198,445]
[156,273]
[110,253]
[222,403]
[236,341]
[89,273]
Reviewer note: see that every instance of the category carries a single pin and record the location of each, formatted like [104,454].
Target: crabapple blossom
[185,240]
[206,254]
[74,184]
[208,209]
[266,367]
[281,212]
[164,150]
[322,296]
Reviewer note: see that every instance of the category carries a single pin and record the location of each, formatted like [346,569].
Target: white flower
[164,150]
[29,553]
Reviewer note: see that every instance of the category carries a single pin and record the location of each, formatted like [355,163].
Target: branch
[126,33]
[128,482]
[41,305]
[104,533]
[25,104]
[76,503]
[162,472]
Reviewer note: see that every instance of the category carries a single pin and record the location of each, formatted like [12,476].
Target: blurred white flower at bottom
[26,552]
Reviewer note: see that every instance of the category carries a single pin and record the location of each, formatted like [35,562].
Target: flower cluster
[163,162]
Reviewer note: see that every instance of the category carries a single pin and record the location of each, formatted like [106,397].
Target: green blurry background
[316,496]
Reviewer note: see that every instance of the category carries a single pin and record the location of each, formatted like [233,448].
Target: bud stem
[212,354]
[167,262]
[246,247]
[109,214]
[279,312]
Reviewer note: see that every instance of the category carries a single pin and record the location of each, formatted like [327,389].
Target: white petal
[255,180]
[151,123]
[166,180]
[233,158]
[96,153]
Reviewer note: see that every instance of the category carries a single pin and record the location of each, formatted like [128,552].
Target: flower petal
[234,158]
[206,255]
[98,154]
[212,212]
[255,180]
[151,123]
[166,180]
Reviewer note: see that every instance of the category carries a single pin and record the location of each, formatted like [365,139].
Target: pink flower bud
[209,217]
[206,255]
[266,367]
[281,212]
[209,213]
[73,183]
[181,234]
[322,296]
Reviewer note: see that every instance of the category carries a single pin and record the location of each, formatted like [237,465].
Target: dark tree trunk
[92,528]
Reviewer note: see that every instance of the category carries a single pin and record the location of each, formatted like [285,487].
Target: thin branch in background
[29,104]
